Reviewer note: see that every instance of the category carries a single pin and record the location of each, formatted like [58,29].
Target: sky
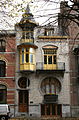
[44,11]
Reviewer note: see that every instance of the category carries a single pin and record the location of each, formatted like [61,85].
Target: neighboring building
[42,74]
[71,29]
[7,68]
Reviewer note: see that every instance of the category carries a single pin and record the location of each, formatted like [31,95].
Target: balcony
[60,66]
[50,98]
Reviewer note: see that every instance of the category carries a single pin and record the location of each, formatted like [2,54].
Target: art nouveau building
[42,74]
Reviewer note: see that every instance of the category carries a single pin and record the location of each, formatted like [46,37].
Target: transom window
[2,68]
[2,45]
[3,93]
[50,86]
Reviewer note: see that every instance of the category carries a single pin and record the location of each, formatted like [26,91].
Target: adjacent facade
[71,29]
[7,68]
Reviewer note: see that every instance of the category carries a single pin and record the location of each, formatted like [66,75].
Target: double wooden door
[23,100]
[51,110]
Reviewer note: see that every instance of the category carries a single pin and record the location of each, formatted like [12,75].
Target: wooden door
[23,101]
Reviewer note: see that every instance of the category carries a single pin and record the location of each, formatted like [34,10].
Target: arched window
[2,45]
[3,94]
[2,68]
[50,86]
[23,82]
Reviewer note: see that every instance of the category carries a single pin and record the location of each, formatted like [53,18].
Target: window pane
[2,46]
[54,59]
[27,57]
[27,49]
[3,94]
[23,58]
[52,89]
[47,89]
[2,68]
[49,59]
[22,50]
[31,58]
[45,59]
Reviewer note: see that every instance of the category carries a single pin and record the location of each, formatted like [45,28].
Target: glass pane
[47,89]
[22,57]
[31,58]
[22,50]
[27,35]
[27,49]
[27,57]
[54,59]
[45,59]
[3,96]
[49,59]
[2,69]
[52,89]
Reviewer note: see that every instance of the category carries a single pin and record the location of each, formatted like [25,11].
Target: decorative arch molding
[3,59]
[5,84]
[50,47]
[23,82]
[53,78]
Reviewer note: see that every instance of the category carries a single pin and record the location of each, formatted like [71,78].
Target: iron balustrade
[58,66]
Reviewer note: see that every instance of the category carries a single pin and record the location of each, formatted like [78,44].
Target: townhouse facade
[42,74]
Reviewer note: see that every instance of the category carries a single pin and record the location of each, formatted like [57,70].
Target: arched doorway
[23,94]
[51,87]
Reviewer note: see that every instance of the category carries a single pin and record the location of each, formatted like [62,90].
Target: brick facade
[9,57]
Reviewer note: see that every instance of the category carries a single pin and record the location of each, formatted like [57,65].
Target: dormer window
[49,32]
[2,45]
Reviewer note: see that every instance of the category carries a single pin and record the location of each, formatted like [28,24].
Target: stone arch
[23,82]
[50,85]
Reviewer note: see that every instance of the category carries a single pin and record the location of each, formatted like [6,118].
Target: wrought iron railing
[57,66]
